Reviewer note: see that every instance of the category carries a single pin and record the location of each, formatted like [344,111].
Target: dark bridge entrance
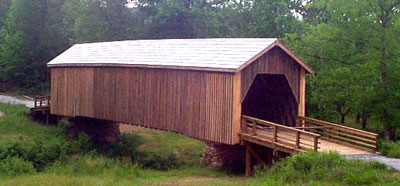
[271,98]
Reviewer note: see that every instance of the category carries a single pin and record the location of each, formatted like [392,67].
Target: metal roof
[217,54]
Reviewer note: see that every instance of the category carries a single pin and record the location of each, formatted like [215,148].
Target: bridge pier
[100,131]
[228,157]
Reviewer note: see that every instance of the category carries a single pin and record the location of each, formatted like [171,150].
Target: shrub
[81,144]
[390,149]
[160,162]
[14,166]
[129,146]
[318,168]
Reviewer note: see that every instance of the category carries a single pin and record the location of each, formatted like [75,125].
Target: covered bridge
[229,91]
[197,87]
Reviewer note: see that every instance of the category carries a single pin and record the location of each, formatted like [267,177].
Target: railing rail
[340,134]
[42,101]
[279,135]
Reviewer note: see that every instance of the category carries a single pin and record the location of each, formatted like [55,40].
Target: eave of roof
[276,43]
[282,46]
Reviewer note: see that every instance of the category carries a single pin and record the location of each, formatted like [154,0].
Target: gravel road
[391,162]
[14,100]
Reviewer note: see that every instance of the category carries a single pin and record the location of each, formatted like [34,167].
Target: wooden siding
[203,105]
[276,61]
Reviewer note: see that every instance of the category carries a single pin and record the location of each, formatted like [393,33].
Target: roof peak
[208,54]
[176,39]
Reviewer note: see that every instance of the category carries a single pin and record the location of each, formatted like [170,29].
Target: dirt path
[15,100]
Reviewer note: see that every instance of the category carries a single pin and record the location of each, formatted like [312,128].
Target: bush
[42,151]
[318,168]
[390,149]
[129,146]
[81,144]
[160,162]
[14,166]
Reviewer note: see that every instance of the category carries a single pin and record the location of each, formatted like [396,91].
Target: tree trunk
[342,117]
[384,19]
[389,133]
[364,121]
[357,119]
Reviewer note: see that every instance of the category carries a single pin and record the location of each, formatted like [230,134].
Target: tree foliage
[353,45]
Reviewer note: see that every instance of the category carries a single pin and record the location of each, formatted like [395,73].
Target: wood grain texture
[276,61]
[202,105]
[302,93]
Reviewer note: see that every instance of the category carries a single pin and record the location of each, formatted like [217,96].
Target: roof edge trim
[279,44]
[209,69]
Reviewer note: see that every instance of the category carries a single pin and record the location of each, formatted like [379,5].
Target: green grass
[96,169]
[16,126]
[164,143]
[92,168]
[314,168]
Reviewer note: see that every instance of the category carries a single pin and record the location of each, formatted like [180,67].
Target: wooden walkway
[310,134]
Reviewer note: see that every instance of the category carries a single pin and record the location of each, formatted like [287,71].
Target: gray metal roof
[219,54]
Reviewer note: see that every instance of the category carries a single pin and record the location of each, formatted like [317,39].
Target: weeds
[390,149]
[319,168]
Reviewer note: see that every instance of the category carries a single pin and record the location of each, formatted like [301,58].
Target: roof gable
[219,54]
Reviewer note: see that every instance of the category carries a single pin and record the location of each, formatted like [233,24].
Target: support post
[254,128]
[244,125]
[316,143]
[248,160]
[298,140]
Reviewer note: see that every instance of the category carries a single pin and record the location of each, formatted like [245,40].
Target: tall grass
[315,168]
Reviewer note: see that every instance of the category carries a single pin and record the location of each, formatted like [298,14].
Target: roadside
[391,162]
[14,100]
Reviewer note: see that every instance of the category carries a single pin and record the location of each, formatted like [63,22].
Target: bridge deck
[312,135]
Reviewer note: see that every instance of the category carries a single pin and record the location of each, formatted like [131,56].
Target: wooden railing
[276,135]
[42,102]
[338,133]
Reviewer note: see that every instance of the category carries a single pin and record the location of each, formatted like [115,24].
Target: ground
[87,169]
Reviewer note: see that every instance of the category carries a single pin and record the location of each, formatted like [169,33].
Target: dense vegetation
[353,45]
[36,154]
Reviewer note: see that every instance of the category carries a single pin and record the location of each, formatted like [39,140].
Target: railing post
[298,140]
[316,143]
[40,101]
[275,133]
[254,128]
[244,125]
[35,102]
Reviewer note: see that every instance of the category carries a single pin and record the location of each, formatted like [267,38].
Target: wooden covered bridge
[230,91]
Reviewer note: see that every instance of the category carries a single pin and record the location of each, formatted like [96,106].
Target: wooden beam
[248,160]
[302,92]
[255,154]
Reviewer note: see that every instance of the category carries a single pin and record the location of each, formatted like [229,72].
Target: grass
[164,143]
[314,168]
[92,168]
[16,126]
[96,169]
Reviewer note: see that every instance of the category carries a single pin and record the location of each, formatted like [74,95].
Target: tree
[98,20]
[273,18]
[30,40]
[359,35]
[4,6]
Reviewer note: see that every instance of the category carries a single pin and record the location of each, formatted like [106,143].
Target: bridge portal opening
[270,98]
